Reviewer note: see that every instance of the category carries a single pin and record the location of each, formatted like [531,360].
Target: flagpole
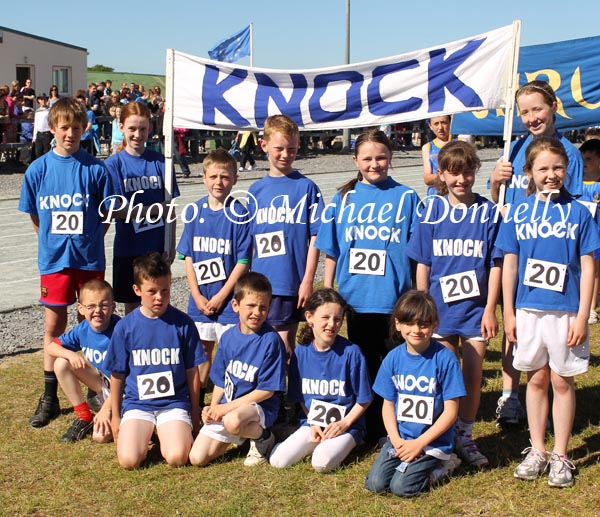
[346,132]
[168,149]
[509,103]
[251,44]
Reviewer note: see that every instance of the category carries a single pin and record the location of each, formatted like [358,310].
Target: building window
[61,77]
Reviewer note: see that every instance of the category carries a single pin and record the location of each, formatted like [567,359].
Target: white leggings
[326,455]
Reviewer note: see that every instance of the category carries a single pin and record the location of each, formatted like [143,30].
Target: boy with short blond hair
[286,208]
[91,337]
[217,249]
[248,373]
[153,358]
[62,192]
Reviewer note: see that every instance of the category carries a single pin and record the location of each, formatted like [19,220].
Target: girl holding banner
[537,104]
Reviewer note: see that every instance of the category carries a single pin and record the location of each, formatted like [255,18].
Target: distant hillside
[117,78]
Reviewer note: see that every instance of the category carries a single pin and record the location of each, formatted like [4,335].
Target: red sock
[82,411]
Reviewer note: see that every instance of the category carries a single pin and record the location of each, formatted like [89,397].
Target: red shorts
[62,288]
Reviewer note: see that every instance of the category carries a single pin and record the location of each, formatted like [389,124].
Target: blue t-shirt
[559,232]
[117,134]
[88,135]
[411,381]
[285,214]
[154,354]
[517,186]
[248,362]
[367,235]
[591,194]
[338,375]
[94,345]
[216,240]
[65,193]
[434,149]
[145,175]
[454,240]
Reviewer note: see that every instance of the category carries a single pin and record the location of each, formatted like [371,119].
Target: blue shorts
[283,311]
[123,280]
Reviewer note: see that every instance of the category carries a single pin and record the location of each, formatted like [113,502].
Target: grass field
[41,476]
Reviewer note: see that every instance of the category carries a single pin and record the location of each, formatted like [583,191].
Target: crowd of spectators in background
[23,119]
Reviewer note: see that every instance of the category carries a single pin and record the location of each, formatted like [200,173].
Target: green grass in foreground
[41,476]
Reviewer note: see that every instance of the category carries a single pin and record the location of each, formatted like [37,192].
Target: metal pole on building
[346,132]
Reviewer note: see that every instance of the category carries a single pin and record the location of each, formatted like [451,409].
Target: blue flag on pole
[233,47]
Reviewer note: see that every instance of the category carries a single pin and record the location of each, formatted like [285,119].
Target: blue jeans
[413,481]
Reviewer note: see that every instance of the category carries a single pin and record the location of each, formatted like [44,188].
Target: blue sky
[133,36]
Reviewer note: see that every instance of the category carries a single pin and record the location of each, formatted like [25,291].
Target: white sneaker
[241,169]
[533,465]
[593,317]
[467,449]
[560,474]
[445,469]
[249,168]
[259,451]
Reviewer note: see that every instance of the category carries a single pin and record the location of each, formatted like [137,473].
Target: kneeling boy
[92,337]
[153,358]
[248,372]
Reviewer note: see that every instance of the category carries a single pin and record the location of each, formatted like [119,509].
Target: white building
[45,61]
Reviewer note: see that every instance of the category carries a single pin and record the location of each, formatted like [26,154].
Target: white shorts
[159,417]
[103,395]
[217,430]
[542,340]
[212,331]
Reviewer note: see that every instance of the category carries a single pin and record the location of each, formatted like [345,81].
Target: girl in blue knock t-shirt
[457,262]
[547,280]
[420,382]
[328,377]
[363,234]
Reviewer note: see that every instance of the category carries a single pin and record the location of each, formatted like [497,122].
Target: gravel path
[22,330]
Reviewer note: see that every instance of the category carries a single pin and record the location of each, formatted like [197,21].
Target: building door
[25,72]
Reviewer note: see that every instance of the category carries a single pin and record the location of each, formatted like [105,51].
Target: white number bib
[324,413]
[144,225]
[545,275]
[69,223]
[591,206]
[155,385]
[459,286]
[209,271]
[367,262]
[270,244]
[228,388]
[414,408]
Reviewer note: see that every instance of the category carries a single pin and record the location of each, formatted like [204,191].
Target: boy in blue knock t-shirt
[285,207]
[248,373]
[91,337]
[62,192]
[217,248]
[153,358]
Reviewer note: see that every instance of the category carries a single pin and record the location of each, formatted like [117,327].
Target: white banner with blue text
[466,75]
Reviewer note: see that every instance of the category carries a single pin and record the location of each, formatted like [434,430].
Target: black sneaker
[46,411]
[260,450]
[78,431]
